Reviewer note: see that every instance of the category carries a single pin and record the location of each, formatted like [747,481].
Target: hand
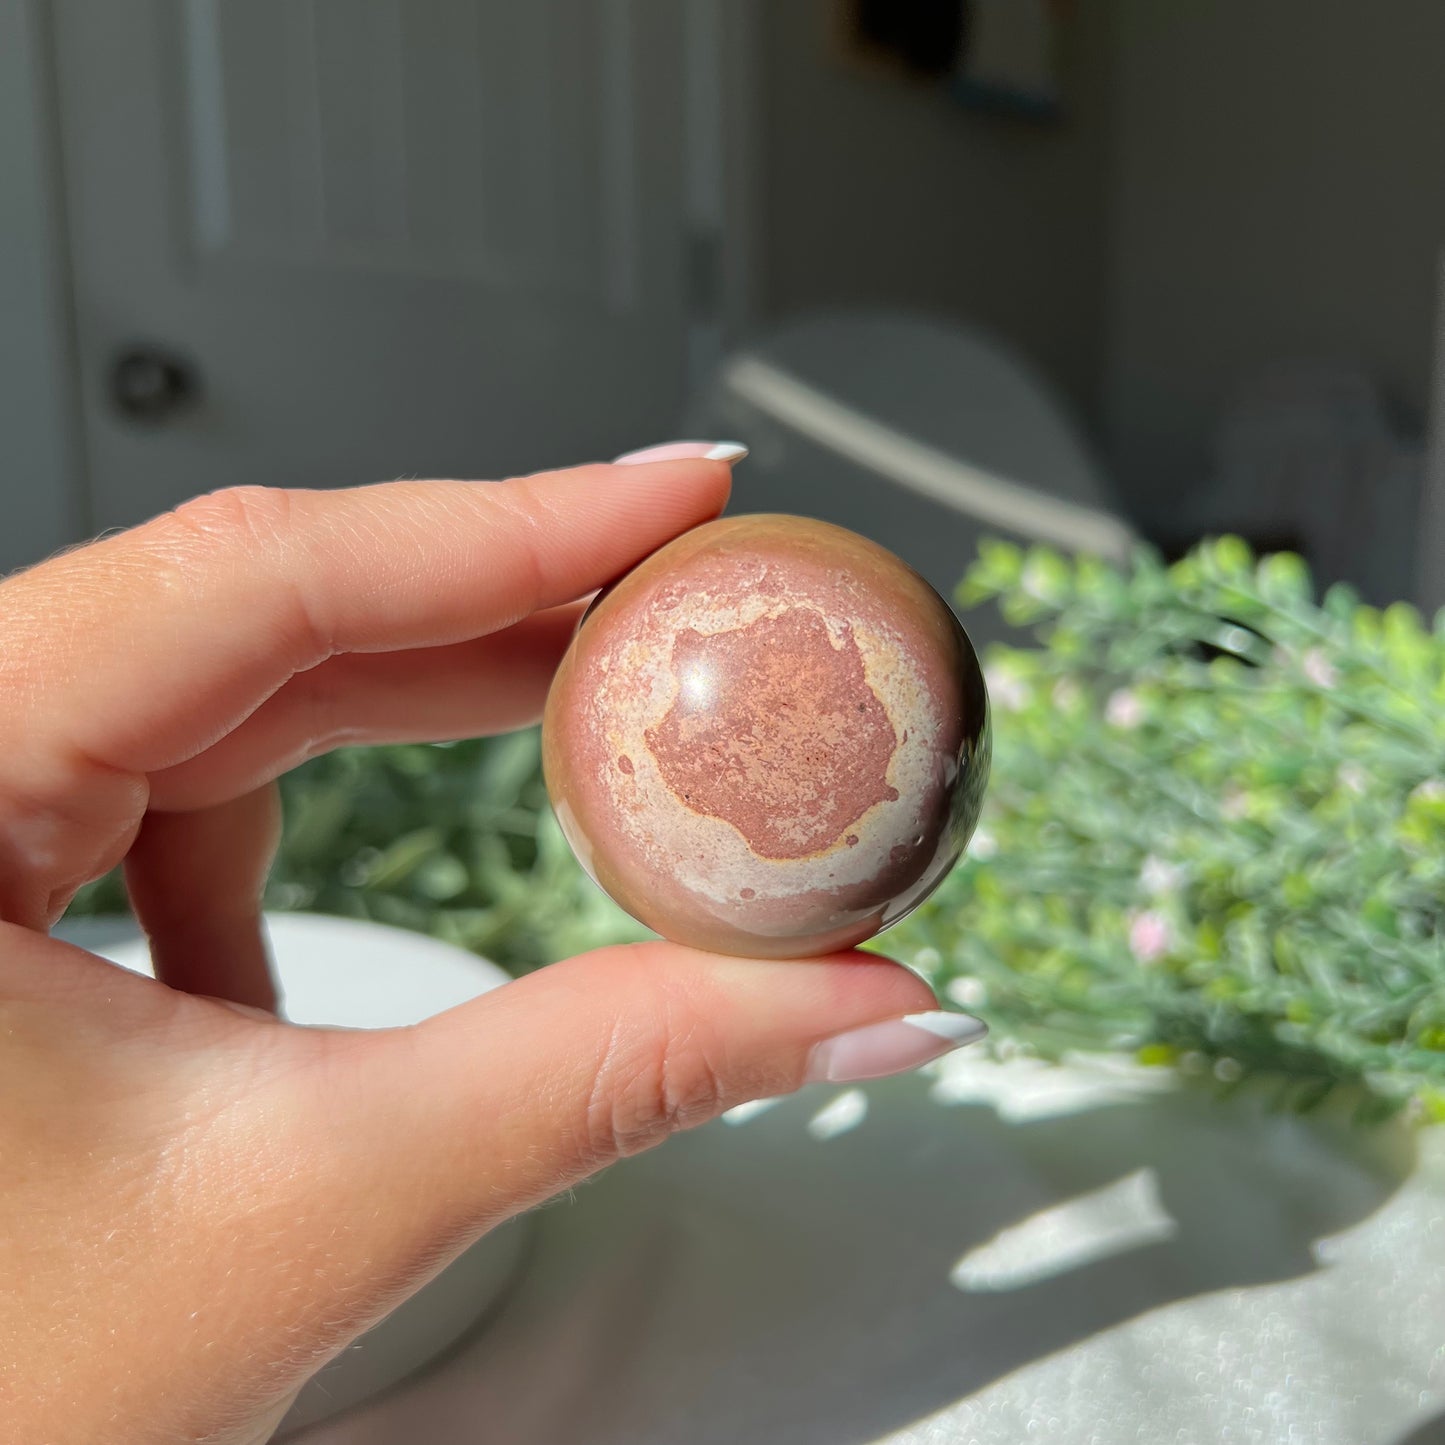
[200,1205]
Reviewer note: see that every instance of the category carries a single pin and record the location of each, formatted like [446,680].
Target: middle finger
[492,684]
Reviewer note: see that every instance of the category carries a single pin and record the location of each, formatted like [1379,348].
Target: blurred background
[1064,270]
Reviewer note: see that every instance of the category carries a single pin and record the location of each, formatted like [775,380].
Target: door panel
[390,237]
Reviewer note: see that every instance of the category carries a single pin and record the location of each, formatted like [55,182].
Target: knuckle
[523,510]
[257,526]
[248,516]
[654,1081]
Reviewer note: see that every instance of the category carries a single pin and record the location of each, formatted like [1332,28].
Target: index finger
[139,651]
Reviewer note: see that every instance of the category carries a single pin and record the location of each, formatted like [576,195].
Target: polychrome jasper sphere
[771,738]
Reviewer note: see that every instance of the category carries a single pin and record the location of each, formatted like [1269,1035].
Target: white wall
[40,503]
[876,190]
[1279,192]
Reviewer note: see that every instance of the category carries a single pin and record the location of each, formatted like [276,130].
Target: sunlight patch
[741,1113]
[1125,1215]
[840,1115]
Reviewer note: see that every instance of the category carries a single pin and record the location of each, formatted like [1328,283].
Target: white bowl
[351,974]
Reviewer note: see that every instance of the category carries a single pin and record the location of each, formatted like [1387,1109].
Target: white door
[318,242]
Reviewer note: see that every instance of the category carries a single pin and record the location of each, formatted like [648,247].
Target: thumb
[439,1131]
[531,1088]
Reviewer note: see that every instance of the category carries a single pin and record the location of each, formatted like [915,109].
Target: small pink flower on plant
[1150,936]
[1319,669]
[1124,710]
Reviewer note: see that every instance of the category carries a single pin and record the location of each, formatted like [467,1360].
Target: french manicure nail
[681,451]
[892,1047]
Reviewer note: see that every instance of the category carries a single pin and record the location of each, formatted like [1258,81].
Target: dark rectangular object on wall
[924,36]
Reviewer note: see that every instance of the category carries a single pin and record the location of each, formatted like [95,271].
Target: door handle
[151,385]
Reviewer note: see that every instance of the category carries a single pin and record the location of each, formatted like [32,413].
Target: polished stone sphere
[771,738]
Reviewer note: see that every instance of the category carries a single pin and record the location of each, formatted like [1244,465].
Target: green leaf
[996,571]
[402,858]
[315,820]
[1284,579]
[1227,558]
[442,877]
[509,764]
[1046,578]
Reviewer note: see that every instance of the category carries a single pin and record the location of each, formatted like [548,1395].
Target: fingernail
[892,1047]
[679,451]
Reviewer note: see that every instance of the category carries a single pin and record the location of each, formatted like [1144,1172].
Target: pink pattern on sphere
[770,738]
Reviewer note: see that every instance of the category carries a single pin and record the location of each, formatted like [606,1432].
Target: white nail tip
[685,451]
[956,1028]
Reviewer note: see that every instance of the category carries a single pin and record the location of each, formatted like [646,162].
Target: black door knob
[148,384]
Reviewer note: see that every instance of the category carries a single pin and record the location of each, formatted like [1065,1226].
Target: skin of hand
[199,1204]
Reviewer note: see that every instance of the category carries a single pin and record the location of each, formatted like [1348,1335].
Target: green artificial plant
[1216,830]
